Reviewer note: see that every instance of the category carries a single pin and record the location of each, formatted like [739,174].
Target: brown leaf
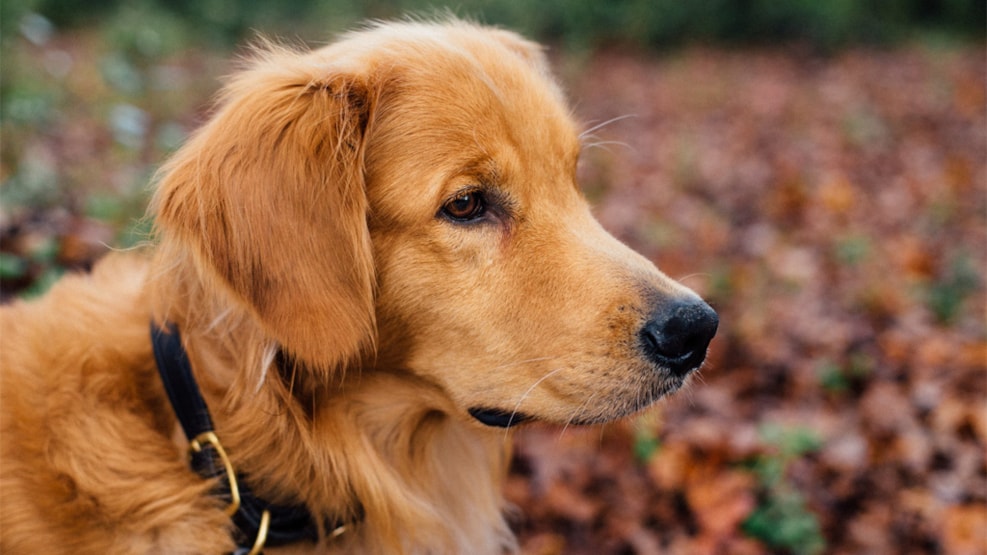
[570,503]
[544,544]
[837,194]
[669,466]
[965,530]
[722,502]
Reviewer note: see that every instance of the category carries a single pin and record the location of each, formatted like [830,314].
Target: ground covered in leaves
[833,211]
[831,208]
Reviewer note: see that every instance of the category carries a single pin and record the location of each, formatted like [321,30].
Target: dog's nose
[678,333]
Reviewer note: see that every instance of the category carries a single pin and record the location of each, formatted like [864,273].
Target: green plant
[945,297]
[832,377]
[782,518]
[783,522]
[852,250]
[43,259]
[646,441]
[12,266]
[837,377]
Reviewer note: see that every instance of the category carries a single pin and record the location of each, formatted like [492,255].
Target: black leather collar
[285,524]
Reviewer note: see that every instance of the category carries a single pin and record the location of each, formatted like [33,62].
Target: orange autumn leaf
[965,530]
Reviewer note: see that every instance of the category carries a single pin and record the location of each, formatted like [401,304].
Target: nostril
[678,334]
[665,340]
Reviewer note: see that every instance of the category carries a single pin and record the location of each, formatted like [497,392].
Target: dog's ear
[269,196]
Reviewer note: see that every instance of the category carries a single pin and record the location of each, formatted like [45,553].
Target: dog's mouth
[624,406]
[498,418]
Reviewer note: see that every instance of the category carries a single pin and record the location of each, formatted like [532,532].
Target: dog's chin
[615,410]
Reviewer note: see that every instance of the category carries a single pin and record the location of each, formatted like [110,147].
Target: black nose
[678,333]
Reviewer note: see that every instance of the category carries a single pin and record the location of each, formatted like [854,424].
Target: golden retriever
[376,258]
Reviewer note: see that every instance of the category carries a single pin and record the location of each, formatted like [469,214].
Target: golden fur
[305,217]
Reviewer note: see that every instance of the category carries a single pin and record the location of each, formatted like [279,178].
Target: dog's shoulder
[82,304]
[87,322]
[86,436]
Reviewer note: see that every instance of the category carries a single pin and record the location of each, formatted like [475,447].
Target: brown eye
[465,207]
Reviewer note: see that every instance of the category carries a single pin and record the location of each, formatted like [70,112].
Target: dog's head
[406,199]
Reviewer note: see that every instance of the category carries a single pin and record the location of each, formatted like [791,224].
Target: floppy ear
[269,195]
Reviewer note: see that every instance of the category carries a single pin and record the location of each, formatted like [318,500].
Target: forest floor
[833,209]
[834,212]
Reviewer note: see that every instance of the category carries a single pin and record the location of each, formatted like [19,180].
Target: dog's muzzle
[674,339]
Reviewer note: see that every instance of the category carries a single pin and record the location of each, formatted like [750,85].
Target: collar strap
[258,522]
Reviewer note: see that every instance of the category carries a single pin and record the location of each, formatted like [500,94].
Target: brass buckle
[265,522]
[196,446]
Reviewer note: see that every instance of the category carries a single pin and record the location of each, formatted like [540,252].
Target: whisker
[604,144]
[697,274]
[688,391]
[525,395]
[604,124]
[520,362]
[576,412]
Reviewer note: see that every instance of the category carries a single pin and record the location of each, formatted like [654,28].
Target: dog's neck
[378,443]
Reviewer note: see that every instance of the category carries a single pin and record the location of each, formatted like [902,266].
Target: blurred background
[815,169]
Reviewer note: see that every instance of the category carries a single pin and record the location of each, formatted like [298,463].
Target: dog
[369,262]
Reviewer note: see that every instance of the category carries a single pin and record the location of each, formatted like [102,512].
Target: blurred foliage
[136,66]
[946,296]
[86,115]
[577,23]
[647,443]
[840,378]
[783,522]
[782,519]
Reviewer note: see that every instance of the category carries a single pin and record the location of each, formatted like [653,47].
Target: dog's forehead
[452,96]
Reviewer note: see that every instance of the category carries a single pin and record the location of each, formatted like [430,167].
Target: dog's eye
[465,207]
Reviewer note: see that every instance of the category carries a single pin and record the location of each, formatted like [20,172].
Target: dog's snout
[678,333]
